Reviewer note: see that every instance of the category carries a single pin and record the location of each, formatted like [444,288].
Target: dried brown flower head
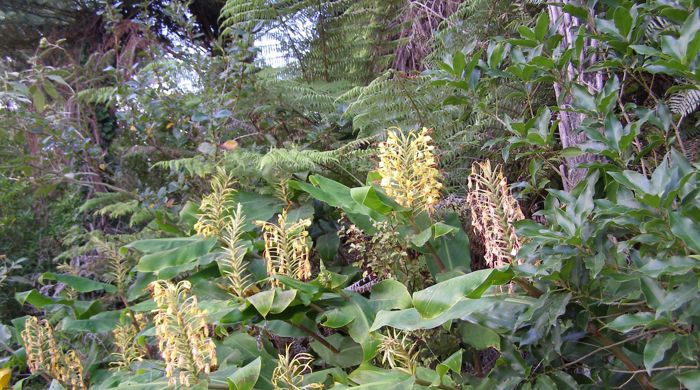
[493,211]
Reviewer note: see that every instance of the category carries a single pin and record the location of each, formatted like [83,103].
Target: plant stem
[641,377]
[318,338]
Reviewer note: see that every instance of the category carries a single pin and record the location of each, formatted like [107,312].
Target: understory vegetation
[397,194]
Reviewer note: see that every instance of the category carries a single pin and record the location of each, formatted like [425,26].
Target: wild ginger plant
[286,249]
[493,212]
[231,262]
[182,333]
[45,356]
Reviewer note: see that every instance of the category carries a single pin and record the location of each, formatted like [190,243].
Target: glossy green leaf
[436,299]
[245,377]
[183,254]
[390,294]
[78,283]
[656,348]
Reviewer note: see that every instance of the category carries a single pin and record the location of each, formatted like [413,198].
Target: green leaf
[690,379]
[336,318]
[390,294]
[34,298]
[367,196]
[656,348]
[358,308]
[78,283]
[327,245]
[257,207]
[438,298]
[372,378]
[627,322]
[421,238]
[623,20]
[245,377]
[38,98]
[451,244]
[187,252]
[453,362]
[99,323]
[479,337]
[350,352]
[686,229]
[542,26]
[582,98]
[410,319]
[272,301]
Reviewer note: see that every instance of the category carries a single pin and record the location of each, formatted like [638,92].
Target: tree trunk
[570,121]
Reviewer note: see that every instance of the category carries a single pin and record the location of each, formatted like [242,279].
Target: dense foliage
[392,194]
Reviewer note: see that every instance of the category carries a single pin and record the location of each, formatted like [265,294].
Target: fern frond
[684,102]
[194,166]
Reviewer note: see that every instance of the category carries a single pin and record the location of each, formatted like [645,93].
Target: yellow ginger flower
[290,371]
[231,263]
[45,356]
[182,333]
[398,352]
[286,252]
[128,350]
[215,206]
[493,211]
[409,169]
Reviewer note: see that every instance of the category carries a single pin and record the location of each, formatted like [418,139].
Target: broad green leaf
[390,294]
[367,377]
[367,196]
[656,348]
[627,322]
[350,352]
[623,20]
[687,230]
[177,256]
[327,245]
[338,195]
[436,299]
[453,362]
[34,298]
[78,283]
[451,244]
[479,337]
[360,308]
[410,319]
[336,318]
[257,207]
[272,301]
[690,379]
[99,323]
[245,377]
